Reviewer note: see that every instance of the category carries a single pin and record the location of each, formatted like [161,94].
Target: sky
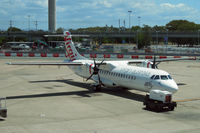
[73,14]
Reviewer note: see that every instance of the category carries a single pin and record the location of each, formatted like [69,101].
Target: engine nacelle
[147,64]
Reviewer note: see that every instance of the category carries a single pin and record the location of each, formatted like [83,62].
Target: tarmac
[50,99]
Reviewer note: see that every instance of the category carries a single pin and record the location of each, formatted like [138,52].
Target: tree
[135,28]
[144,37]
[2,40]
[181,25]
[14,29]
[159,28]
[60,30]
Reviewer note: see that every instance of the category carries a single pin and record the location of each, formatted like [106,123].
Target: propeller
[154,65]
[96,71]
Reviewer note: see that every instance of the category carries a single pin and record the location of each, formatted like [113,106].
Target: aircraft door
[149,83]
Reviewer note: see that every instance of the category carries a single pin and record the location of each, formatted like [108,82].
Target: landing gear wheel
[147,106]
[158,108]
[97,88]
[171,108]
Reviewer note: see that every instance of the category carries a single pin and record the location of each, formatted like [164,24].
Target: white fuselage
[120,74]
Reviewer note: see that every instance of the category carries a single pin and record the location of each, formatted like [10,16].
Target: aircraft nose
[169,85]
[173,87]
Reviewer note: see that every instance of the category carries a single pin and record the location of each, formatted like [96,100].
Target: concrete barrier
[19,54]
[93,55]
[119,56]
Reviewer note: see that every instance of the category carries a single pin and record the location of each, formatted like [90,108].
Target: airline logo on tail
[68,41]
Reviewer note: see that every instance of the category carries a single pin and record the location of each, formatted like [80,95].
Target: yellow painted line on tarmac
[187,100]
[194,66]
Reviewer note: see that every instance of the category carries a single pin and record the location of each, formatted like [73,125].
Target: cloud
[3,12]
[99,12]
[105,3]
[177,7]
[60,9]
[177,11]
[88,17]
[41,3]
[96,4]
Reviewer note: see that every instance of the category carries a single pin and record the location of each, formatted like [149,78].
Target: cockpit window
[157,77]
[152,76]
[169,77]
[164,77]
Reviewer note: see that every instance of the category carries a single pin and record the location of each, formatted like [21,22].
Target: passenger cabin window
[157,77]
[164,77]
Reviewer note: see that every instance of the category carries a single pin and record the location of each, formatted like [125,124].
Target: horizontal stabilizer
[47,63]
[61,35]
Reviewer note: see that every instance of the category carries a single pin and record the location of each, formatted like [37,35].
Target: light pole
[124,24]
[139,20]
[119,25]
[138,30]
[36,24]
[129,19]
[167,39]
[129,25]
[198,36]
[29,27]
[29,22]
[137,39]
[157,40]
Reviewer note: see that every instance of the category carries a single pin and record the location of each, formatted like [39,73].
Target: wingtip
[9,63]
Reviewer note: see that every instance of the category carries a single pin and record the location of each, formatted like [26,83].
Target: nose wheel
[96,88]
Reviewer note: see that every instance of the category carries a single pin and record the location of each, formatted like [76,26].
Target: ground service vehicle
[158,100]
[3,108]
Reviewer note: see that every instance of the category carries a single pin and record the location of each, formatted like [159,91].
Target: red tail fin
[71,51]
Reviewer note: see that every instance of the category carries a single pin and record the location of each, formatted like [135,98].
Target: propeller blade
[157,65]
[154,62]
[101,63]
[94,63]
[99,78]
[89,77]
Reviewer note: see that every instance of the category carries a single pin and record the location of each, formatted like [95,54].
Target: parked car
[20,47]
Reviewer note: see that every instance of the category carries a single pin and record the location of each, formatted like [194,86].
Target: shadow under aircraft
[124,93]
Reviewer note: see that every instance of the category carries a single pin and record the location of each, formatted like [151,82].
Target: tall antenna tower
[52,15]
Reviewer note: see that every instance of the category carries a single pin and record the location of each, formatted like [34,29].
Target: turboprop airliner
[143,76]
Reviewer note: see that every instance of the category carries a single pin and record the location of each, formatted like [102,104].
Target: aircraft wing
[47,63]
[135,61]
